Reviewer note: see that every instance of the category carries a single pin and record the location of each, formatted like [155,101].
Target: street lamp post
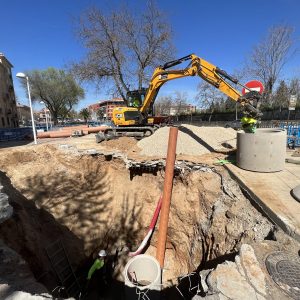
[46,114]
[23,76]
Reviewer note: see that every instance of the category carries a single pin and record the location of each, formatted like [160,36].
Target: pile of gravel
[192,140]
[218,138]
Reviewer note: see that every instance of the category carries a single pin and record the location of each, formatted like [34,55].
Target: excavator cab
[136,98]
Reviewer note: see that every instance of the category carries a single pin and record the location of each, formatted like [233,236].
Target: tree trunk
[211,113]
[54,116]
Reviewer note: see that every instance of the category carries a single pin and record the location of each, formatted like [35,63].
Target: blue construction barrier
[293,133]
[16,134]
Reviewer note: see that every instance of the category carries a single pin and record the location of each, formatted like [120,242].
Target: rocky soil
[70,191]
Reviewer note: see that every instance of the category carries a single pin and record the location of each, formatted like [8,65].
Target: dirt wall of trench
[92,203]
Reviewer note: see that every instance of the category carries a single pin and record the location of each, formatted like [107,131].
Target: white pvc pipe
[142,278]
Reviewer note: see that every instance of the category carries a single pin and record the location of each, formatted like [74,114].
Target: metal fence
[293,134]
[15,134]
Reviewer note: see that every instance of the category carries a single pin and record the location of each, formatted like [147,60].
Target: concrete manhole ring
[284,269]
[296,193]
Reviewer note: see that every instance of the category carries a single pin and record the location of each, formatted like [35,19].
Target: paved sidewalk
[271,191]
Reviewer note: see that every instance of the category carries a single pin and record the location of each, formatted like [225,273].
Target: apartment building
[24,114]
[8,107]
[106,106]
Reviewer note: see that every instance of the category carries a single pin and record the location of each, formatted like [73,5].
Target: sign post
[292,106]
[292,102]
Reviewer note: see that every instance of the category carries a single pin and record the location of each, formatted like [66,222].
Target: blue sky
[37,34]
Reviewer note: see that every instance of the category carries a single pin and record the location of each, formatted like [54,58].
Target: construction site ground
[93,196]
[272,192]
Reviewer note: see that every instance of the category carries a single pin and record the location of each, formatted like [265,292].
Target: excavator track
[137,132]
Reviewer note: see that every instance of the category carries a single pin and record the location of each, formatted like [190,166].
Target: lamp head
[21,75]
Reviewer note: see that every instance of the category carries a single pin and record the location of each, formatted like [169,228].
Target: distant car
[237,124]
[103,124]
[107,124]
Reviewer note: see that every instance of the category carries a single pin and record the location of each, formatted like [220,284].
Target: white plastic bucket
[142,277]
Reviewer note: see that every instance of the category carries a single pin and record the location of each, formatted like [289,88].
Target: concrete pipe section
[262,151]
[296,193]
[142,278]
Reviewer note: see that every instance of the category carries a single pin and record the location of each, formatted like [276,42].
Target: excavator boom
[197,67]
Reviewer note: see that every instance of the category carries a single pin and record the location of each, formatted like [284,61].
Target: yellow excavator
[136,118]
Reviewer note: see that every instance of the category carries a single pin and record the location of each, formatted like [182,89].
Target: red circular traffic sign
[253,85]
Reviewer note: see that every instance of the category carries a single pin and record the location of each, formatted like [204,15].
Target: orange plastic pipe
[96,129]
[43,134]
[74,127]
[166,200]
[64,133]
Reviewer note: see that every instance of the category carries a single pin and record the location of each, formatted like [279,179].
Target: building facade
[24,115]
[8,106]
[103,110]
[44,118]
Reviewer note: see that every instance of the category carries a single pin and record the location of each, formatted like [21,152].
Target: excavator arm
[209,73]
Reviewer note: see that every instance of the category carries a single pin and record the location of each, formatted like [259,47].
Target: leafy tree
[56,88]
[123,47]
[281,97]
[85,113]
[229,105]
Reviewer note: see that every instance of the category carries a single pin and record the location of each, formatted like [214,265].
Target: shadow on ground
[74,207]
[29,231]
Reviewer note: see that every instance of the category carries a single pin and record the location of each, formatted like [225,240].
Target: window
[3,122]
[8,122]
[132,115]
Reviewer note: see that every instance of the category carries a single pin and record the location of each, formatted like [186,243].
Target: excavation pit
[92,203]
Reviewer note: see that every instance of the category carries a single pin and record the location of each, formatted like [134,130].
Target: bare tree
[123,47]
[180,100]
[208,97]
[163,105]
[270,55]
